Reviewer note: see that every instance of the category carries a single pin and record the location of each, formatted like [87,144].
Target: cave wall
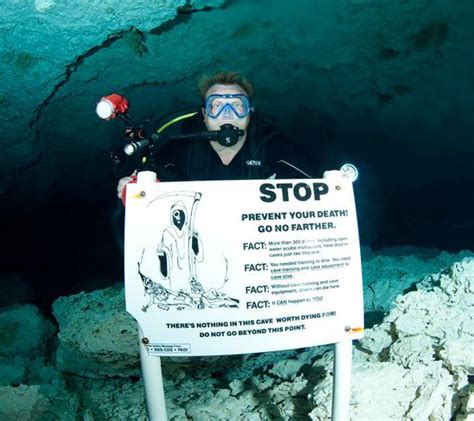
[386,85]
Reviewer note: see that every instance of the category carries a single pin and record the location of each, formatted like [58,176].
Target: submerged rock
[97,337]
[386,391]
[428,340]
[389,273]
[416,364]
[24,331]
[37,402]
[25,334]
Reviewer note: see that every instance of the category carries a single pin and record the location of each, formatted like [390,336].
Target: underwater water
[387,86]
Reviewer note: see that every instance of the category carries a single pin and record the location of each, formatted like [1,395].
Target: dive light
[133,147]
[111,106]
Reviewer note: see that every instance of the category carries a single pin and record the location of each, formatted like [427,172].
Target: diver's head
[226,100]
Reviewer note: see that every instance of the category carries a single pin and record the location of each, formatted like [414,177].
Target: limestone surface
[389,273]
[25,334]
[37,402]
[415,365]
[43,40]
[429,336]
[96,336]
[24,331]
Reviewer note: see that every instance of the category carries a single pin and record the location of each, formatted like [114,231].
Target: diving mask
[227,105]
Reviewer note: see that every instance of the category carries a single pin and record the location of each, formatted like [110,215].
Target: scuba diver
[251,147]
[245,144]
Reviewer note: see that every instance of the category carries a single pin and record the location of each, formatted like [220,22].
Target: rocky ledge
[415,364]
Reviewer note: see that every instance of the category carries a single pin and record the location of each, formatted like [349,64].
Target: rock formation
[416,364]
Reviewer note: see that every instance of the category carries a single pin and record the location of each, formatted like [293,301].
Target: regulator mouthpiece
[111,106]
[349,172]
[228,135]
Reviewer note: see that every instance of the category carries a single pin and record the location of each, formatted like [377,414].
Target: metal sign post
[155,396]
[341,387]
[341,392]
[153,382]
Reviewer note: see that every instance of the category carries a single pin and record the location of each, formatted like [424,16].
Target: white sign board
[229,267]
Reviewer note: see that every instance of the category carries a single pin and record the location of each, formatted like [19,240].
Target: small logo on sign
[157,349]
[253,163]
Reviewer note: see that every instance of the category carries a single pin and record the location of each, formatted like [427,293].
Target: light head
[111,106]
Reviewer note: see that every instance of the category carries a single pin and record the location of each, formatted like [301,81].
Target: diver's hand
[123,182]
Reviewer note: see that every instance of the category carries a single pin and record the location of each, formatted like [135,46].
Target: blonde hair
[225,78]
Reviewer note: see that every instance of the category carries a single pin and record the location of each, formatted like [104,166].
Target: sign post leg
[341,391]
[153,382]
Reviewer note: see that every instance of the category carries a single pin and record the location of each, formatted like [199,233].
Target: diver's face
[226,117]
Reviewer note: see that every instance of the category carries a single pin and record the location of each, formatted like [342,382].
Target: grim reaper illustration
[178,252]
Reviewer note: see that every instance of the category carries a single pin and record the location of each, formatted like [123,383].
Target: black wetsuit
[266,153]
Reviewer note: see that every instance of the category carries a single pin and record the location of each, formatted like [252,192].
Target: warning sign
[228,267]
